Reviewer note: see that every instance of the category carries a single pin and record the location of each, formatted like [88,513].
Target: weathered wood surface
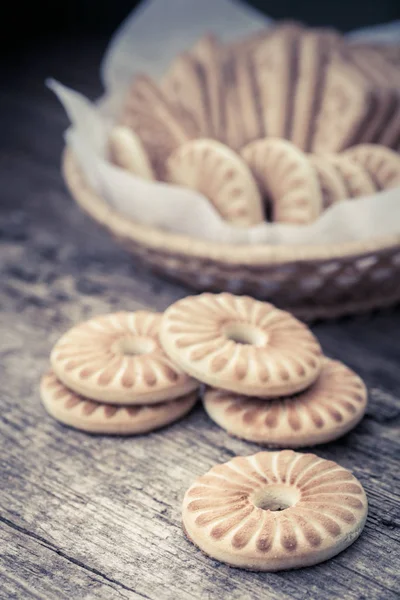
[99,517]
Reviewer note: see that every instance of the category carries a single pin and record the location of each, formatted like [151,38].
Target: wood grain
[99,517]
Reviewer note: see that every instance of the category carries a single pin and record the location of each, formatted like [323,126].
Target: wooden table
[99,517]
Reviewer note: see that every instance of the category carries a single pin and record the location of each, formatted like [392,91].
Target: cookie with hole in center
[128,152]
[274,510]
[286,176]
[241,344]
[328,409]
[382,164]
[331,182]
[117,358]
[356,178]
[96,417]
[218,173]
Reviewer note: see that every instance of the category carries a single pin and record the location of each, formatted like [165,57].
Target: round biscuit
[274,510]
[117,358]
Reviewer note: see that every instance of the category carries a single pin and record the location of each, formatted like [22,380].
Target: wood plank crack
[70,559]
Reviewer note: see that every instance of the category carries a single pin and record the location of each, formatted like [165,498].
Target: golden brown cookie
[248,43]
[214,170]
[390,52]
[382,164]
[328,409]
[373,66]
[207,53]
[158,124]
[248,98]
[233,126]
[346,105]
[240,344]
[128,152]
[275,63]
[356,178]
[331,182]
[315,47]
[95,417]
[184,87]
[286,176]
[118,359]
[390,137]
[274,510]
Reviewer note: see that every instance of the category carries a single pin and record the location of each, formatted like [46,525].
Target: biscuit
[389,133]
[390,136]
[214,170]
[356,178]
[248,98]
[275,63]
[249,43]
[184,87]
[234,125]
[331,407]
[274,510]
[315,47]
[331,182]
[285,174]
[240,344]
[128,152]
[95,417]
[382,164]
[118,359]
[347,103]
[207,53]
[373,66]
[390,52]
[158,124]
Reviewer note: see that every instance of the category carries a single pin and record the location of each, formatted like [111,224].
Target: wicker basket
[313,282]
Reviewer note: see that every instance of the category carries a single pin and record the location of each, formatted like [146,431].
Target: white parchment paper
[147,41]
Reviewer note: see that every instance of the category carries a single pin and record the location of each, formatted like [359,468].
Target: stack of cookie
[110,375]
[134,372]
[275,127]
[270,382]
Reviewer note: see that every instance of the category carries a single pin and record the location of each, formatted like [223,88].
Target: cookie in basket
[159,125]
[88,415]
[357,180]
[387,75]
[240,81]
[346,105]
[127,151]
[328,409]
[315,48]
[389,52]
[117,358]
[331,182]
[249,43]
[390,134]
[233,134]
[207,53]
[274,510]
[286,176]
[373,66]
[240,344]
[184,86]
[382,164]
[275,67]
[214,170]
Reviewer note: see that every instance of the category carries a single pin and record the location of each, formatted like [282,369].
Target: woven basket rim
[161,240]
